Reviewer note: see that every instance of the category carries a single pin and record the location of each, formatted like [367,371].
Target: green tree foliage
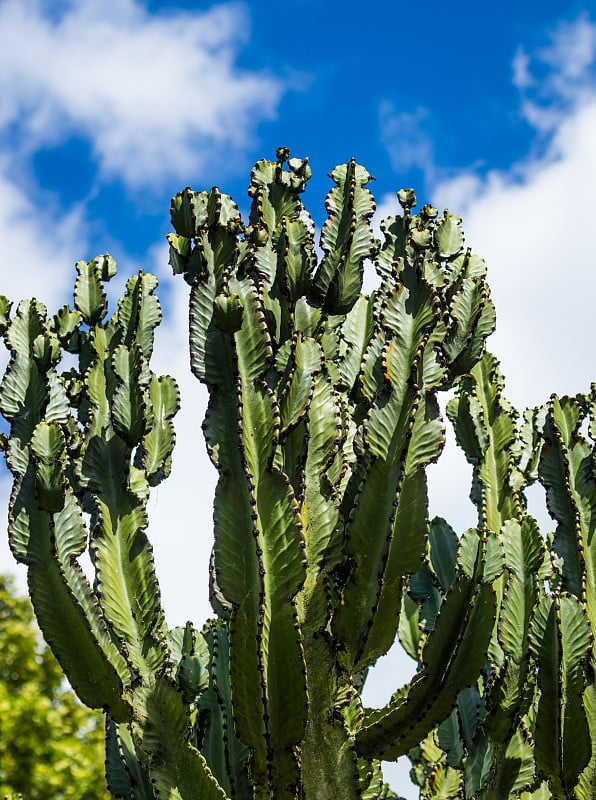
[51,746]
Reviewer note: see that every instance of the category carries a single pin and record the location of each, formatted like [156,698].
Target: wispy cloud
[407,136]
[527,220]
[530,222]
[154,94]
[38,242]
[556,78]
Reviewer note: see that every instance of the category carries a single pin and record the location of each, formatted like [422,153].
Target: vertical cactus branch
[259,551]
[566,469]
[91,441]
[539,675]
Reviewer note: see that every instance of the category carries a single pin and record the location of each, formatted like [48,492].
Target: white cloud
[572,51]
[557,78]
[37,243]
[407,138]
[36,251]
[155,94]
[520,67]
[532,225]
[535,234]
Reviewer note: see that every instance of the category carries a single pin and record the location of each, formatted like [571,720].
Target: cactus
[323,417]
[526,728]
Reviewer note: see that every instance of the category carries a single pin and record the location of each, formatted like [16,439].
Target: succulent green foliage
[485,427]
[323,417]
[560,642]
[321,421]
[126,775]
[516,739]
[84,447]
[566,470]
[346,239]
[216,733]
[455,652]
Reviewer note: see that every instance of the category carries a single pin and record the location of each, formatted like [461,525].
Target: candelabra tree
[525,728]
[323,417]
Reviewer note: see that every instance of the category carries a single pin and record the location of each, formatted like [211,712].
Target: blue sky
[390,87]
[104,114]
